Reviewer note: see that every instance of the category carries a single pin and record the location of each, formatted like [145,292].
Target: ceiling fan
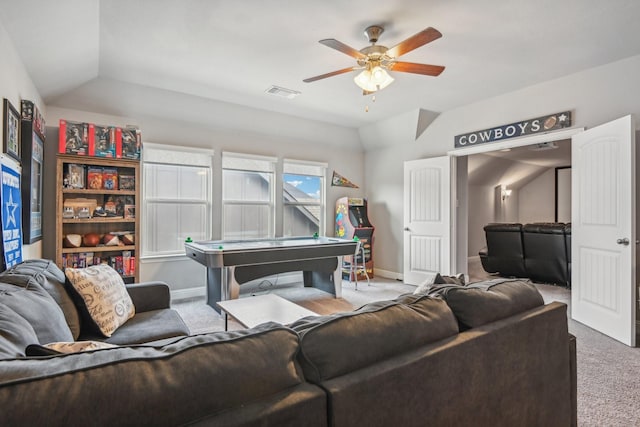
[376,60]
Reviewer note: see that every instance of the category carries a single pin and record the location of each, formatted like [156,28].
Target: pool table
[230,263]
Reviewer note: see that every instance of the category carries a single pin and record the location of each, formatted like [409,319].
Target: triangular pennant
[340,181]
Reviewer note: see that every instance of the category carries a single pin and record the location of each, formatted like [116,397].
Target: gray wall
[15,85]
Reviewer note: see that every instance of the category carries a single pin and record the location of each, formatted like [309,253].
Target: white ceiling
[78,52]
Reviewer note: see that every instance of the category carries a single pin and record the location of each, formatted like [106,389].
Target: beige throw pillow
[78,346]
[104,294]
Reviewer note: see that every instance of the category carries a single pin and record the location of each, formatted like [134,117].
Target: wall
[15,85]
[537,199]
[481,212]
[595,96]
[184,275]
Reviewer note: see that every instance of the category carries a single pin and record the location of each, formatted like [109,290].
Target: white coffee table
[254,310]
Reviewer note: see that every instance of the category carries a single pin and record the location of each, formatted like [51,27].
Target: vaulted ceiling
[101,55]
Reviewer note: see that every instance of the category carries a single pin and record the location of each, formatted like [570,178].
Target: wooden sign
[514,130]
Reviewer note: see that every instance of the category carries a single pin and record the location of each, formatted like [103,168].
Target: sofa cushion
[485,302]
[343,342]
[15,334]
[47,274]
[38,308]
[104,294]
[145,327]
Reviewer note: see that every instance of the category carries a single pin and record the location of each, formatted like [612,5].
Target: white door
[603,229]
[427,218]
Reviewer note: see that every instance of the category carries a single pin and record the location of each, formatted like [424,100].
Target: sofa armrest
[148,296]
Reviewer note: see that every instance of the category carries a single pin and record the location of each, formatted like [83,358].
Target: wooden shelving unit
[98,225]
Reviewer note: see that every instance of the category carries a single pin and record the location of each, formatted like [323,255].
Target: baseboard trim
[387,274]
[196,292]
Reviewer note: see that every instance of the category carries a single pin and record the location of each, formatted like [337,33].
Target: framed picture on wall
[32,147]
[11,130]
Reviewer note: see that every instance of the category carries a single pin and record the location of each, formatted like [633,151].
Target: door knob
[407,229]
[624,241]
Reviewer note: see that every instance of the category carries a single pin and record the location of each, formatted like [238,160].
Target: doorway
[516,185]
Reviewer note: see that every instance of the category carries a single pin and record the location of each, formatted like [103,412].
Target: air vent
[282,92]
[543,146]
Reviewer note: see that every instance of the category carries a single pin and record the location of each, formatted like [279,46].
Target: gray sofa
[485,354]
[36,291]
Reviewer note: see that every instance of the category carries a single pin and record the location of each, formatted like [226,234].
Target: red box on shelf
[73,137]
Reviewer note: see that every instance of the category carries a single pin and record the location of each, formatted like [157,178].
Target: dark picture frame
[32,141]
[11,131]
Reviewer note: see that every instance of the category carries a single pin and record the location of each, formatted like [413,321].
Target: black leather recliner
[545,252]
[539,251]
[505,253]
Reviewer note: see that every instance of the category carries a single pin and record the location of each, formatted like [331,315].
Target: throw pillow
[48,276]
[56,348]
[426,286]
[104,294]
[38,308]
[15,333]
[449,280]
[485,302]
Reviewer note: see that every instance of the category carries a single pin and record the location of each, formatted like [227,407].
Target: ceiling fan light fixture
[373,79]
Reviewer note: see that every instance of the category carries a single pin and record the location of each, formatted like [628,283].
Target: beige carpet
[608,371]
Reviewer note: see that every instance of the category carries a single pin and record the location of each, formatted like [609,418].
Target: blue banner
[11,216]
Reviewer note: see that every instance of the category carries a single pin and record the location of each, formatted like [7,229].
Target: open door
[603,229]
[427,218]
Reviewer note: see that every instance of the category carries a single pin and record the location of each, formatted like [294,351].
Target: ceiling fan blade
[414,42]
[335,44]
[410,67]
[331,74]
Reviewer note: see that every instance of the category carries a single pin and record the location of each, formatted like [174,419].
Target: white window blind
[247,196]
[176,198]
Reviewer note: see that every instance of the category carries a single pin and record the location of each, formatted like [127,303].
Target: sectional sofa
[490,353]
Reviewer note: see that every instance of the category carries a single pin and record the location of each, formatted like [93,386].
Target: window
[303,191]
[247,196]
[176,198]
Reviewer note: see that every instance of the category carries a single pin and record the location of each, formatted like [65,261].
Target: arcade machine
[352,221]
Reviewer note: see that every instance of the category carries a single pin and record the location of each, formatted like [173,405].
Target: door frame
[461,242]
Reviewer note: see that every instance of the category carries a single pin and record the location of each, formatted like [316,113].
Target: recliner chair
[505,252]
[545,252]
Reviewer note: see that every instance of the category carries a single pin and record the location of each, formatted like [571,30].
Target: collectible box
[127,182]
[130,144]
[74,176]
[110,178]
[94,178]
[73,137]
[102,143]
[130,211]
[31,113]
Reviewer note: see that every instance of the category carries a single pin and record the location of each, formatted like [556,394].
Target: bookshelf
[117,235]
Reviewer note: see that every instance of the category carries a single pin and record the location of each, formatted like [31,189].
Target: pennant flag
[340,181]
